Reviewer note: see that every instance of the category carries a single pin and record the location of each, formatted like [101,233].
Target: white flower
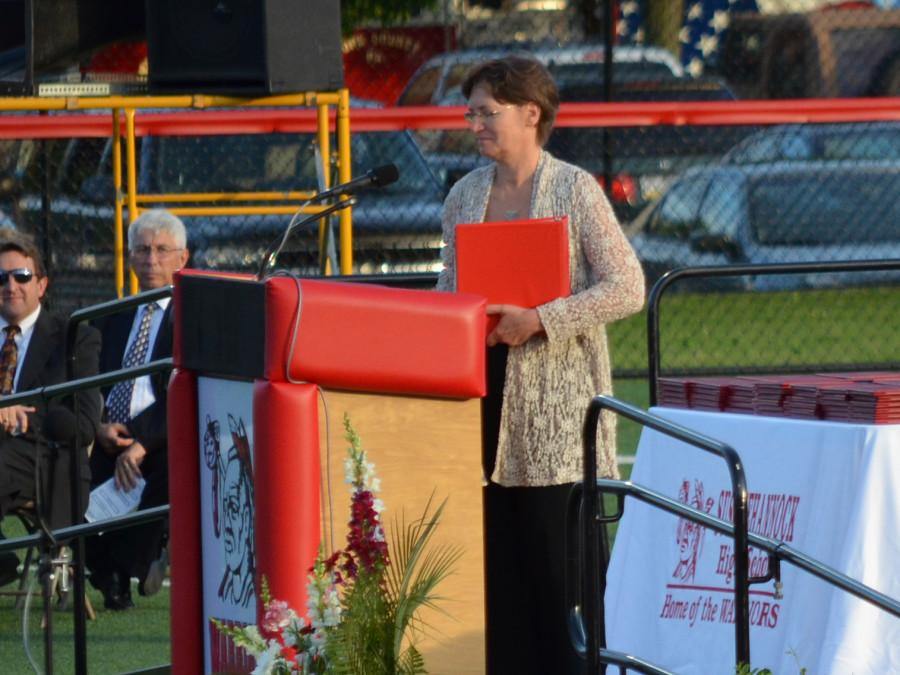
[266,662]
[349,471]
[331,616]
[255,642]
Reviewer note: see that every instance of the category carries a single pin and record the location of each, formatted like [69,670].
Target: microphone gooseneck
[377,177]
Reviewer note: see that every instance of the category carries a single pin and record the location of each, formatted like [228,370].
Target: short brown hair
[13,240]
[519,80]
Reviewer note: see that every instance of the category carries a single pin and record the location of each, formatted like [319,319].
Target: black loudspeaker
[40,40]
[244,47]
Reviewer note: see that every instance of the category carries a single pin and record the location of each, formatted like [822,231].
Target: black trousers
[525,561]
[19,458]
[130,551]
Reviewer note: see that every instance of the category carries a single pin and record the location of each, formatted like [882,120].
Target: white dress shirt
[142,396]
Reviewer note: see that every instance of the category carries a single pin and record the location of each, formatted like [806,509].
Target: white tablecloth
[828,489]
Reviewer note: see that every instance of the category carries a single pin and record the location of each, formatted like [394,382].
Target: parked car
[438,77]
[820,53]
[644,159]
[395,228]
[805,142]
[773,213]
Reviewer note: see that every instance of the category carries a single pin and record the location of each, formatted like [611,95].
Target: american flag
[630,23]
[703,23]
[701,32]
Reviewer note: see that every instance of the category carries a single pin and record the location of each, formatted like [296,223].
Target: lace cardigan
[550,380]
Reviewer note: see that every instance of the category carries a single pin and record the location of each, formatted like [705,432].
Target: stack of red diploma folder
[514,262]
[861,397]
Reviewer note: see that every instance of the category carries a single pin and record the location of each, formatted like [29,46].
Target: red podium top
[339,335]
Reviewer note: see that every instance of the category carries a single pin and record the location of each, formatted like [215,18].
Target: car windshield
[623,71]
[803,143]
[861,50]
[260,162]
[826,209]
[583,145]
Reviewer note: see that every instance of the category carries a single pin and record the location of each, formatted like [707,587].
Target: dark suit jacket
[148,428]
[44,364]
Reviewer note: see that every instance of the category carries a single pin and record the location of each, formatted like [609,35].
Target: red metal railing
[284,120]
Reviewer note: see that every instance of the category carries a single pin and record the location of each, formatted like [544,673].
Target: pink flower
[277,616]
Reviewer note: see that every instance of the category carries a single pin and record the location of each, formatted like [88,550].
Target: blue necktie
[119,401]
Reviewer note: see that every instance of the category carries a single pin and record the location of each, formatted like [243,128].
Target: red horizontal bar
[283,120]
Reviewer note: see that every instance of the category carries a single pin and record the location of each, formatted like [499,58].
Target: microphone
[377,177]
[59,427]
[275,247]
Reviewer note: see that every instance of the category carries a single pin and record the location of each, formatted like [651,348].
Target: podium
[264,372]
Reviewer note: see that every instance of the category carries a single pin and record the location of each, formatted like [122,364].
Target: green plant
[363,604]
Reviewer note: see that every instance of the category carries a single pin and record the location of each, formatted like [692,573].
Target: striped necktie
[119,401]
[9,359]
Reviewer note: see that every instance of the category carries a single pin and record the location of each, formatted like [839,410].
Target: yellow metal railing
[125,178]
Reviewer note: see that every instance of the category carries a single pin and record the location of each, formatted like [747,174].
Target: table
[828,489]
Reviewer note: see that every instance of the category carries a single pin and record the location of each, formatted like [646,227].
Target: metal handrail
[78,553]
[670,277]
[773,547]
[575,622]
[777,551]
[591,541]
[71,532]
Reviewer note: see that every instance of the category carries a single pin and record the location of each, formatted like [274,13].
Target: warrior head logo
[688,534]
[232,486]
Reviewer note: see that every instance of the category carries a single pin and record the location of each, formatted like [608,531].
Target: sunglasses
[21,275]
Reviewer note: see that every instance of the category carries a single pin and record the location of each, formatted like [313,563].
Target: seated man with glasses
[132,443]
[33,355]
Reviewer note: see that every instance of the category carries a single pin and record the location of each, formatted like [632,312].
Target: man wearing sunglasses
[33,355]
[132,441]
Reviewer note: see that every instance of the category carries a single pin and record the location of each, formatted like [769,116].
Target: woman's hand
[517,325]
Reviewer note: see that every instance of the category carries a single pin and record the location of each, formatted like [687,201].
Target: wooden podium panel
[420,446]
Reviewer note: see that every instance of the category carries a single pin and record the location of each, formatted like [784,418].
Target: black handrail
[574,598]
[590,539]
[670,277]
[75,320]
[774,547]
[65,534]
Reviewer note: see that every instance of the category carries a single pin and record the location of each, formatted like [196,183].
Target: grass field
[851,326]
[118,642]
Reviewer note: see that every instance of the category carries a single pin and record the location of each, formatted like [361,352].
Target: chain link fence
[686,194]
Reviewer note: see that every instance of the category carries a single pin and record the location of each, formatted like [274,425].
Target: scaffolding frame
[123,109]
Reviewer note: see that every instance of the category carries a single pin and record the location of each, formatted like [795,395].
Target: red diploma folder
[515,262]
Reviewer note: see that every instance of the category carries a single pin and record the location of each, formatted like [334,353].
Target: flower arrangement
[363,600]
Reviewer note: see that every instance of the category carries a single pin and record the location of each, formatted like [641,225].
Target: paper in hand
[108,501]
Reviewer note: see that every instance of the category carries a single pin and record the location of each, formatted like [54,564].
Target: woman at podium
[545,363]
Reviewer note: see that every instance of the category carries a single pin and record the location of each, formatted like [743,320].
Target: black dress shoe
[9,568]
[116,589]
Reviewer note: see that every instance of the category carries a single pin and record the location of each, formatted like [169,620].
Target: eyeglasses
[473,116]
[160,251]
[21,275]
